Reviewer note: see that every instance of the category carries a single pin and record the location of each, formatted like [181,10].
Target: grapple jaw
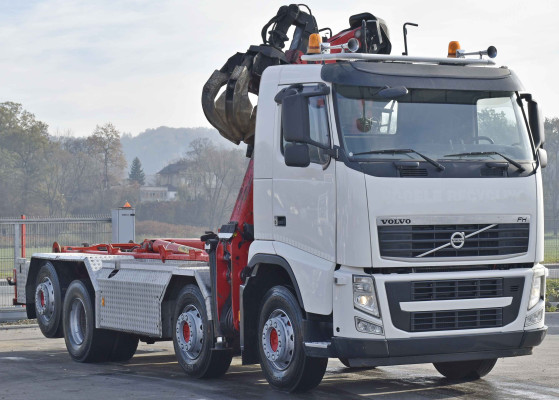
[231,111]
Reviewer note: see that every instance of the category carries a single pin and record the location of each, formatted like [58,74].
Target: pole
[23,237]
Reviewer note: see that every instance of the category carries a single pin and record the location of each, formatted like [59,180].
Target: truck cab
[405,201]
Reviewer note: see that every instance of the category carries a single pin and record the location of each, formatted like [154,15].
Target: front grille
[457,289]
[459,319]
[408,241]
[430,292]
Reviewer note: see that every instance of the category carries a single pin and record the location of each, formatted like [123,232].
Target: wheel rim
[278,340]
[190,332]
[44,299]
[78,324]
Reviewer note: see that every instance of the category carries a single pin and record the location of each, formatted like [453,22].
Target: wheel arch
[265,271]
[176,284]
[268,262]
[66,270]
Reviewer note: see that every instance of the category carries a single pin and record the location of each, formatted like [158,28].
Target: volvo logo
[457,240]
[396,221]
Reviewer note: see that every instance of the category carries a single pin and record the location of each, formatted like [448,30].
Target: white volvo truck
[392,214]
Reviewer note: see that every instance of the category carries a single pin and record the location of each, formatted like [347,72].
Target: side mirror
[296,155]
[542,153]
[535,120]
[295,119]
[295,112]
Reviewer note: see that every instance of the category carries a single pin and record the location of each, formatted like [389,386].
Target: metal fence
[551,241]
[23,237]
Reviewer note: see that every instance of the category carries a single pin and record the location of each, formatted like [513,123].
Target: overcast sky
[142,64]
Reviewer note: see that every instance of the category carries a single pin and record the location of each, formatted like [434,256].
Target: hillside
[157,147]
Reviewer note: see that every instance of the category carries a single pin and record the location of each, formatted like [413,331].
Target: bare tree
[105,142]
[216,175]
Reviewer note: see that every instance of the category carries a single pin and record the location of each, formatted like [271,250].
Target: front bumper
[362,352]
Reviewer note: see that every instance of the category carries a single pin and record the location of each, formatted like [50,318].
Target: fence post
[23,238]
[17,241]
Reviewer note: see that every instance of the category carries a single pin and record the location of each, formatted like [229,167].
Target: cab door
[304,198]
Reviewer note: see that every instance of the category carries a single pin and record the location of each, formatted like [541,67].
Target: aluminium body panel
[22,270]
[131,293]
[129,299]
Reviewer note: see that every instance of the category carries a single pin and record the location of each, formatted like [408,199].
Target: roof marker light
[452,48]
[315,40]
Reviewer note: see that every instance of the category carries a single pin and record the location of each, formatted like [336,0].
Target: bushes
[552,294]
[552,289]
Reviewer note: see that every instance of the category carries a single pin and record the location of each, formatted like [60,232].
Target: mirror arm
[334,153]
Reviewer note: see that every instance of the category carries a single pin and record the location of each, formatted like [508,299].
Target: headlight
[364,296]
[536,292]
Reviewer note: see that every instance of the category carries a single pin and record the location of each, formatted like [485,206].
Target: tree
[23,140]
[105,142]
[136,172]
[216,175]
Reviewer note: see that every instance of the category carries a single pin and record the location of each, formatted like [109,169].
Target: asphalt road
[32,367]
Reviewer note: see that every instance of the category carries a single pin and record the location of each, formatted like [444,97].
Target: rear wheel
[474,369]
[280,345]
[124,348]
[84,342]
[193,337]
[48,302]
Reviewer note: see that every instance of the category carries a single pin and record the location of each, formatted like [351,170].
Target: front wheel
[280,345]
[473,370]
[193,337]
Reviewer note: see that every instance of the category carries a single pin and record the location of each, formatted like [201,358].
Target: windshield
[440,124]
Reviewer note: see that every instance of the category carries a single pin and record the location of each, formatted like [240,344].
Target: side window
[319,129]
[496,120]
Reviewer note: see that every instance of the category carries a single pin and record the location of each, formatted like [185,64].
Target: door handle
[280,220]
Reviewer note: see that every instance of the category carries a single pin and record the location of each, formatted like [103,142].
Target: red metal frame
[238,247]
[155,249]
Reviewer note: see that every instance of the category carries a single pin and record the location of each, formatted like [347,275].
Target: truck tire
[472,370]
[193,337]
[84,342]
[124,348]
[48,302]
[280,344]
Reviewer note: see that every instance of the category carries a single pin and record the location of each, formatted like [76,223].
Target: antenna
[405,53]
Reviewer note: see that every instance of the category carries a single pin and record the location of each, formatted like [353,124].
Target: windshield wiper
[439,166]
[488,153]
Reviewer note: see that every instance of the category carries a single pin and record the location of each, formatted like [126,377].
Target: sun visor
[420,76]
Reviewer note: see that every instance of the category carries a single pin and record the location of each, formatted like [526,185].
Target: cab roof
[421,76]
